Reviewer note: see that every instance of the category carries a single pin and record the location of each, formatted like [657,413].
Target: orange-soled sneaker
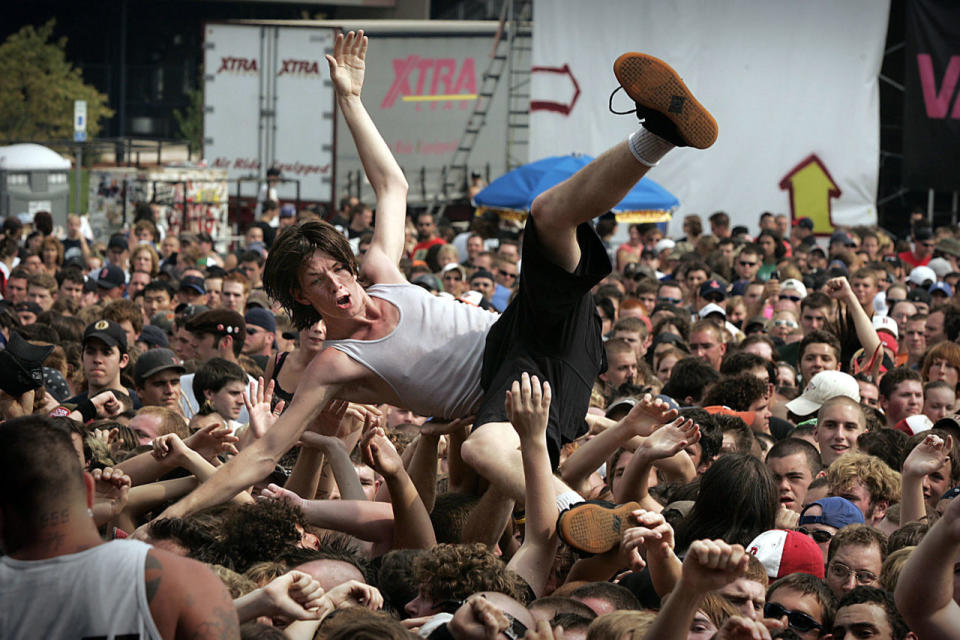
[665,105]
[594,526]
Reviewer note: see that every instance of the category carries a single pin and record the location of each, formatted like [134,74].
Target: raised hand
[671,438]
[213,440]
[379,453]
[477,619]
[649,413]
[347,64]
[171,448]
[278,493]
[712,564]
[838,288]
[651,531]
[928,456]
[112,485]
[528,406]
[107,404]
[257,402]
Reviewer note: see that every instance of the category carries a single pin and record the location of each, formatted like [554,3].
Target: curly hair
[880,481]
[256,533]
[454,571]
[737,392]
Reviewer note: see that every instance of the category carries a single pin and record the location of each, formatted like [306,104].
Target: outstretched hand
[347,64]
[379,453]
[928,456]
[213,440]
[528,407]
[649,413]
[671,439]
[257,402]
[273,492]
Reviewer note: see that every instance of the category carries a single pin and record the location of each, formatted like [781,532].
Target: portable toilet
[34,178]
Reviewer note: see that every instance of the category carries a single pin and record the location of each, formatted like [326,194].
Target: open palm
[347,63]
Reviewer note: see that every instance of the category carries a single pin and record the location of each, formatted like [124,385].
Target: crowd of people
[408,427]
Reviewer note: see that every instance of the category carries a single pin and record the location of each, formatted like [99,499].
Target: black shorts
[551,329]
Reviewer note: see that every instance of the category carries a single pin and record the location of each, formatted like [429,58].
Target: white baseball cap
[920,275]
[886,323]
[793,284]
[823,386]
[713,307]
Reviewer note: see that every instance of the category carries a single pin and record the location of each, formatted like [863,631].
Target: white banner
[793,86]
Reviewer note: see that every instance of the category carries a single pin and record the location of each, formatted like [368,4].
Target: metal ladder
[512,49]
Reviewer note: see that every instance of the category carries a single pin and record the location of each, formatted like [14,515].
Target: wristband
[87,410]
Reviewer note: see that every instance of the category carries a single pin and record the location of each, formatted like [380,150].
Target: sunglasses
[744,263]
[669,300]
[785,323]
[796,619]
[817,534]
[792,298]
[714,297]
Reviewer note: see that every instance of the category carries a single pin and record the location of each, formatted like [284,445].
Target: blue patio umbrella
[514,192]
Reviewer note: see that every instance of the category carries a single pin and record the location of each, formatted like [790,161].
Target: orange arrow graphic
[811,190]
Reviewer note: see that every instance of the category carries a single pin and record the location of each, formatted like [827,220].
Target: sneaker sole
[594,528]
[652,83]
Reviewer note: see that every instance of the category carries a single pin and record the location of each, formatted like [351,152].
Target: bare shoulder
[331,367]
[380,268]
[186,599]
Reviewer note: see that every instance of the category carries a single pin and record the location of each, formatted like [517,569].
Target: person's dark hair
[71,274]
[620,597]
[819,337]
[251,256]
[606,305]
[455,571]
[792,446]
[892,379]
[43,222]
[292,249]
[809,585]
[395,578]
[449,515]
[688,379]
[743,437]
[881,598]
[738,501]
[39,472]
[258,532]
[886,444]
[720,219]
[779,251]
[735,362]
[160,285]
[711,436]
[214,375]
[736,392]
[185,532]
[909,535]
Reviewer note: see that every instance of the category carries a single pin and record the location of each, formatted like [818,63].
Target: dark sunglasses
[796,619]
[669,300]
[817,534]
[793,298]
[748,264]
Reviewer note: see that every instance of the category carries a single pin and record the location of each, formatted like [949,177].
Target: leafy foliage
[38,86]
[190,121]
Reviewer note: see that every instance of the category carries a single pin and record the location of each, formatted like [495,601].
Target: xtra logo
[437,80]
[302,67]
[238,65]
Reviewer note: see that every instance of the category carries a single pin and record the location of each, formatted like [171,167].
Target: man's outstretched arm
[320,384]
[347,66]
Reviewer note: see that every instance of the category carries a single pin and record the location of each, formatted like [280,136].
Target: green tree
[38,86]
[190,120]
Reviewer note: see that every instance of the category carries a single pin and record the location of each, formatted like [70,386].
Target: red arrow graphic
[556,107]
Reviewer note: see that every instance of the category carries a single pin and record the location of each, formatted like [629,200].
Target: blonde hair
[613,625]
[892,566]
[881,482]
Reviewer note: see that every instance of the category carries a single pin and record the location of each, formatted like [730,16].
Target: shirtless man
[393,343]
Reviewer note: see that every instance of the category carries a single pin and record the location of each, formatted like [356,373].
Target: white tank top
[97,593]
[433,358]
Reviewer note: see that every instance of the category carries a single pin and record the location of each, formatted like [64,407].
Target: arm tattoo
[153,573]
[222,623]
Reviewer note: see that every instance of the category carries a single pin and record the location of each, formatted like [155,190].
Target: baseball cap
[837,512]
[664,244]
[841,237]
[221,322]
[108,332]
[747,416]
[118,241]
[919,295]
[941,287]
[822,387]
[912,425]
[886,323]
[923,233]
[26,305]
[21,365]
[922,276]
[712,286]
[193,282]
[481,273]
[712,308]
[754,322]
[738,288]
[783,552]
[155,361]
[111,276]
[792,284]
[257,298]
[428,281]
[940,267]
[154,336]
[804,223]
[263,318]
[452,266]
[288,211]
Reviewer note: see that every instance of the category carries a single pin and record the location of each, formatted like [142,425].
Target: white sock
[648,147]
[567,499]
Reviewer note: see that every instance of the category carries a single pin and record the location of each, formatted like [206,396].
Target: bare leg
[494,452]
[590,192]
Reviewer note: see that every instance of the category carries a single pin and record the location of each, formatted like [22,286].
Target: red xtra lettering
[441,82]
[245,65]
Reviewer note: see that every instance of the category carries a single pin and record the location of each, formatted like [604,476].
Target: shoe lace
[614,111]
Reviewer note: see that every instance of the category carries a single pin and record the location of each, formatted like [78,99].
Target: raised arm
[925,589]
[839,289]
[347,67]
[321,382]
